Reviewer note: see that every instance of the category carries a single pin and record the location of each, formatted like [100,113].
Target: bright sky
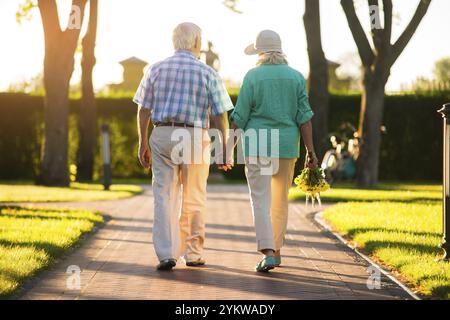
[143,28]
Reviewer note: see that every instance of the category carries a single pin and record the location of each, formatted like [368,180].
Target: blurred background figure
[210,57]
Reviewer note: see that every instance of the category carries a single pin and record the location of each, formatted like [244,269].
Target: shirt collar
[184,53]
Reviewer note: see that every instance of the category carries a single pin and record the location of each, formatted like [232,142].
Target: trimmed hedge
[21,136]
[411,148]
[21,119]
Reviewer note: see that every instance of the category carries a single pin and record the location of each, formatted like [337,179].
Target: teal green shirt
[272,97]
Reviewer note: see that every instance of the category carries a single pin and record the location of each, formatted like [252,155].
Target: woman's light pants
[269,180]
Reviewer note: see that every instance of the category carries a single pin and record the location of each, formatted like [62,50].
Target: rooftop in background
[333,64]
[133,60]
[133,70]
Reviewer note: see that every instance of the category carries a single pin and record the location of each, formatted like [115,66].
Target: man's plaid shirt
[183,89]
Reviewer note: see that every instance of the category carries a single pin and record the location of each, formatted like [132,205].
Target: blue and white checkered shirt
[183,89]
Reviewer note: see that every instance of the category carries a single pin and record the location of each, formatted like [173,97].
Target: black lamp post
[106,157]
[445,111]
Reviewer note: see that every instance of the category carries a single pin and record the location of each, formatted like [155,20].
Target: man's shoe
[166,265]
[196,263]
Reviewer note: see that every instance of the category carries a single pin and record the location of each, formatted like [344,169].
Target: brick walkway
[118,261]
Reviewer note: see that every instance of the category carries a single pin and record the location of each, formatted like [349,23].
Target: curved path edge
[318,218]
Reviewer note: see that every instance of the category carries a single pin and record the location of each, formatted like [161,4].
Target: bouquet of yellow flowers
[312,182]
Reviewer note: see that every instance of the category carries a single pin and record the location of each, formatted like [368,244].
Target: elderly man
[179,93]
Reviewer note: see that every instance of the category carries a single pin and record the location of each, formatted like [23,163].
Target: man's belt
[173,124]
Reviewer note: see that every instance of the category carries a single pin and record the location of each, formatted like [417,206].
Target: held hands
[227,156]
[227,162]
[311,160]
[145,156]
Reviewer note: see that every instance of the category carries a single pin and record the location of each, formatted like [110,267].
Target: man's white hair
[184,35]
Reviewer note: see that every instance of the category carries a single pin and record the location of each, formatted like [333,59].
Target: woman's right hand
[311,161]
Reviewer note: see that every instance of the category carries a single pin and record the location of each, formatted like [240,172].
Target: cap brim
[251,50]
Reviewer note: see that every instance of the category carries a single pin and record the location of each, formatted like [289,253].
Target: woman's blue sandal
[277,261]
[266,264]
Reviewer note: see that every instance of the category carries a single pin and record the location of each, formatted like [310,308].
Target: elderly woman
[273,102]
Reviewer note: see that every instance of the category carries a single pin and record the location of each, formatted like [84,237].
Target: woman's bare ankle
[268,252]
[277,253]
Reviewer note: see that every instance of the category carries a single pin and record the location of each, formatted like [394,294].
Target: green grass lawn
[23,192]
[383,192]
[399,225]
[31,239]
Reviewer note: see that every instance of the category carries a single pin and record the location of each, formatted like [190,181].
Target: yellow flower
[312,182]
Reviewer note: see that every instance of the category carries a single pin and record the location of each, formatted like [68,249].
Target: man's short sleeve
[218,96]
[144,93]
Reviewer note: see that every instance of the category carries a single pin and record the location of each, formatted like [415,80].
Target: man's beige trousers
[179,189]
[269,181]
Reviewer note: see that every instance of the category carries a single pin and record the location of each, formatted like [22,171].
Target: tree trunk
[58,67]
[371,117]
[377,62]
[88,109]
[57,74]
[318,76]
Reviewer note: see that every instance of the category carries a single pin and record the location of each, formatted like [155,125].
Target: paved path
[118,261]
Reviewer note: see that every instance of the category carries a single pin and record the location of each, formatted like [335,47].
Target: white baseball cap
[266,41]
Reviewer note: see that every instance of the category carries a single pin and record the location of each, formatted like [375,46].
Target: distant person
[211,57]
[272,97]
[179,93]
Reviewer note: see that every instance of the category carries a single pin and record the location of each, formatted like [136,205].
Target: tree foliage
[442,70]
[232,5]
[24,10]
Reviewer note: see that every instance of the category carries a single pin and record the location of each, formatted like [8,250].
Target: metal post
[445,111]
[106,158]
